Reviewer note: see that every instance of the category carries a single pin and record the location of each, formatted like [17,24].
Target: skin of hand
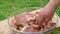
[47,12]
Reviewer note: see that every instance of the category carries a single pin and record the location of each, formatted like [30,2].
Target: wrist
[55,1]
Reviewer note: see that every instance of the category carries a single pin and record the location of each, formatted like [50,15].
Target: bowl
[29,9]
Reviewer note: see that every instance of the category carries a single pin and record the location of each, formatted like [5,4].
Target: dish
[23,30]
[25,22]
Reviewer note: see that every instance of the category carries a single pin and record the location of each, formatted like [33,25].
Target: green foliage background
[7,7]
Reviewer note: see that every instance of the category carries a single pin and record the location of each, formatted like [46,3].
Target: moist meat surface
[28,19]
[30,29]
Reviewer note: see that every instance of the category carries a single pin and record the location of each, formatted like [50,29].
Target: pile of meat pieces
[26,22]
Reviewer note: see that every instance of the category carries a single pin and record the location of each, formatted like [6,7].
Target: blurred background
[7,7]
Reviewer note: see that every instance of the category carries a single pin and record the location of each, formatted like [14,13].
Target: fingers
[47,19]
[39,21]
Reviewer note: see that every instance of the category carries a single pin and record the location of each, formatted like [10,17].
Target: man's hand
[44,17]
[47,12]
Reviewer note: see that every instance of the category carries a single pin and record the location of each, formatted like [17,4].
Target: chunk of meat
[20,18]
[24,17]
[30,29]
[16,24]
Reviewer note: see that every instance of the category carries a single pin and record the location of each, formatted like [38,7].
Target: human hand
[47,12]
[44,17]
